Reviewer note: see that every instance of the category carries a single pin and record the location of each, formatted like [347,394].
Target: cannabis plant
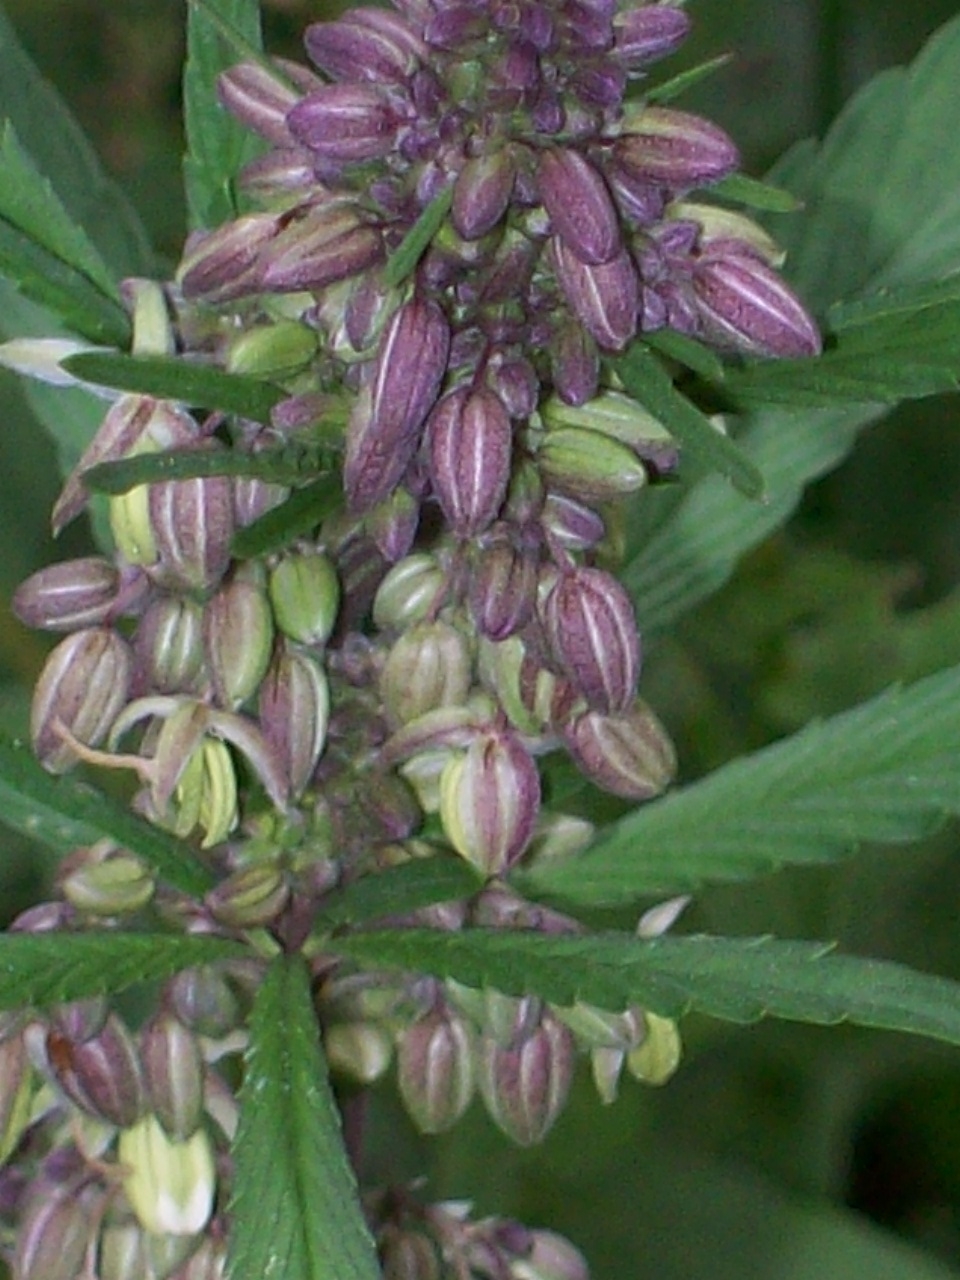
[478,368]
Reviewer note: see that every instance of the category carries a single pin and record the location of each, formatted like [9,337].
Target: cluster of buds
[384,687]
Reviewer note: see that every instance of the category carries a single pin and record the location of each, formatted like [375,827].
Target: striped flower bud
[427,668]
[629,755]
[514,380]
[481,193]
[16,1094]
[345,123]
[170,1184]
[279,350]
[365,44]
[237,640]
[168,646]
[222,265]
[117,885]
[588,465]
[262,101]
[393,524]
[722,229]
[489,801]
[249,898]
[574,363]
[469,441]
[294,712]
[550,1257]
[192,524]
[648,33]
[408,592]
[173,1074]
[384,432]
[589,622]
[435,1070]
[359,1050]
[579,204]
[101,1075]
[503,589]
[204,1001]
[525,1087]
[408,1255]
[745,305]
[305,594]
[68,595]
[327,245]
[52,1238]
[674,149]
[571,523]
[604,298]
[83,686]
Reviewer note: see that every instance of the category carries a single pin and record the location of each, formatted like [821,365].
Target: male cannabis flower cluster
[460,218]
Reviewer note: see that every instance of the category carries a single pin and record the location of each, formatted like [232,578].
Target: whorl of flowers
[409,656]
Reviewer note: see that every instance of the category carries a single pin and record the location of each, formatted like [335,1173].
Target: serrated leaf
[415,243]
[737,979]
[645,379]
[301,512]
[285,465]
[886,771]
[687,351]
[65,814]
[685,80]
[755,194]
[42,969]
[175,379]
[399,890]
[295,1211]
[217,144]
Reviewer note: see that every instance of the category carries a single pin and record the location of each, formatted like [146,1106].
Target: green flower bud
[118,885]
[16,1093]
[250,897]
[427,668]
[170,1184]
[360,1050]
[658,1055]
[130,521]
[525,1087]
[407,593]
[173,1074]
[273,351]
[435,1070]
[238,638]
[489,801]
[305,594]
[590,465]
[52,1238]
[613,415]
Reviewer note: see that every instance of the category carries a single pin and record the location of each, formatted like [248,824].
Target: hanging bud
[550,1256]
[469,441]
[589,622]
[590,466]
[170,1184]
[204,1002]
[726,229]
[658,1055]
[408,1255]
[101,1075]
[168,646]
[68,595]
[294,712]
[83,687]
[570,523]
[435,1070]
[674,148]
[360,1050]
[616,416]
[222,265]
[525,1087]
[604,298]
[384,430]
[272,351]
[481,193]
[489,801]
[365,44]
[427,668]
[745,305]
[393,523]
[249,898]
[327,245]
[52,1238]
[173,1073]
[117,885]
[305,594]
[648,33]
[261,101]
[514,381]
[503,589]
[345,123]
[578,202]
[629,755]
[237,640]
[574,363]
[192,524]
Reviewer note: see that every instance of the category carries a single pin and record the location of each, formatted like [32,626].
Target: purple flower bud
[574,363]
[551,1257]
[327,245]
[675,149]
[253,498]
[503,589]
[435,1070]
[262,101]
[514,380]
[52,1239]
[168,647]
[589,622]
[629,755]
[489,801]
[173,1073]
[345,123]
[572,524]
[101,1075]
[68,595]
[365,44]
[469,440]
[509,273]
[455,26]
[221,265]
[192,524]
[428,667]
[745,305]
[204,1002]
[604,298]
[482,193]
[639,200]
[599,86]
[280,173]
[383,434]
[305,594]
[586,27]
[578,202]
[645,34]
[525,1087]
[393,523]
[83,686]
[294,712]
[237,640]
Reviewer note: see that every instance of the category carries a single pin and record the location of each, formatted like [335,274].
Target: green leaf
[684,82]
[301,512]
[755,194]
[688,351]
[646,380]
[885,771]
[407,887]
[67,294]
[737,979]
[64,814]
[175,379]
[41,969]
[217,145]
[285,465]
[415,243]
[295,1211]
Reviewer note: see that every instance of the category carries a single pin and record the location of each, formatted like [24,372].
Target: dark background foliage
[777,1153]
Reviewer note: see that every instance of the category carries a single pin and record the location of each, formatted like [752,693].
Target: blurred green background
[777,1153]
